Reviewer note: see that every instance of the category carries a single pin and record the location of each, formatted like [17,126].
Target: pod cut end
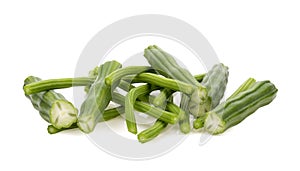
[157,102]
[142,138]
[185,128]
[174,120]
[132,130]
[214,124]
[86,123]
[63,114]
[198,123]
[27,90]
[108,81]
[52,130]
[151,47]
[199,110]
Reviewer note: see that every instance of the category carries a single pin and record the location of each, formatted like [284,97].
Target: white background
[254,38]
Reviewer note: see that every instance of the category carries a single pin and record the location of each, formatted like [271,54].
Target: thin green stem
[130,99]
[152,131]
[184,122]
[165,93]
[51,84]
[245,86]
[160,81]
[117,75]
[165,116]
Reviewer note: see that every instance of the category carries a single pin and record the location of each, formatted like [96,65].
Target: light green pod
[92,74]
[98,97]
[152,131]
[215,82]
[130,99]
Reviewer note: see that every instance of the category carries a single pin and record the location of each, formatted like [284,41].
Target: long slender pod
[144,107]
[165,93]
[152,132]
[45,85]
[114,77]
[161,81]
[130,99]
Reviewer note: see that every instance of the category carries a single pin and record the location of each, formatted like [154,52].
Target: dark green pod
[236,109]
[52,106]
[199,122]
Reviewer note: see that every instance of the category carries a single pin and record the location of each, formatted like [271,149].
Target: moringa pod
[165,64]
[98,98]
[92,74]
[198,123]
[52,106]
[215,82]
[236,109]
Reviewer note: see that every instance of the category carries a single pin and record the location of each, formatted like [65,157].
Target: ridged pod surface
[199,122]
[92,74]
[97,99]
[236,109]
[52,106]
[215,82]
[165,63]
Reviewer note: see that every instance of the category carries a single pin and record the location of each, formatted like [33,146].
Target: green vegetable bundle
[201,97]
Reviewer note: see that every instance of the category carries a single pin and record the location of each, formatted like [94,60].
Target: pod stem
[59,83]
[130,100]
[144,107]
[117,75]
[161,81]
[152,132]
